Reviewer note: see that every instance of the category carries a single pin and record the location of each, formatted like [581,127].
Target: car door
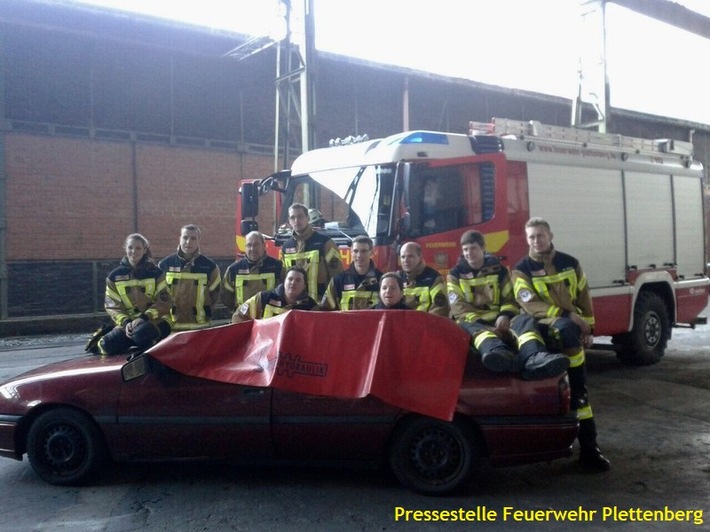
[165,414]
[319,427]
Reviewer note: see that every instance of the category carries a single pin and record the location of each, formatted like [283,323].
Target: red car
[396,386]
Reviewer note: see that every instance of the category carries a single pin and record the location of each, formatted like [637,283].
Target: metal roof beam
[670,13]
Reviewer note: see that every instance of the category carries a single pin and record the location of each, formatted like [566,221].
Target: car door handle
[254,391]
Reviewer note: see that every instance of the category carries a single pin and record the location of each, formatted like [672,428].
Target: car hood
[83,381]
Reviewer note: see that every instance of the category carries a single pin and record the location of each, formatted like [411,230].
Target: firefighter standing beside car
[316,253]
[356,288]
[483,303]
[551,287]
[193,280]
[250,275]
[424,287]
[137,300]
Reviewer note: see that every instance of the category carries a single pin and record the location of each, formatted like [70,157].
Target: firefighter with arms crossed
[193,281]
[356,288]
[290,295]
[551,287]
[254,273]
[137,300]
[310,250]
[482,302]
[424,287]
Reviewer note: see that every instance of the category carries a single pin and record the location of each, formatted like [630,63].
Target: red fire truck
[630,209]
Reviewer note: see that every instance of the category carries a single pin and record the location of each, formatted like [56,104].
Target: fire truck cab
[630,209]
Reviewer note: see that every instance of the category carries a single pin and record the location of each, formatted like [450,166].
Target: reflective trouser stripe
[576,359]
[530,336]
[584,413]
[482,337]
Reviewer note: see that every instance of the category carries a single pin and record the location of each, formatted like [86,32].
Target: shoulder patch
[525,295]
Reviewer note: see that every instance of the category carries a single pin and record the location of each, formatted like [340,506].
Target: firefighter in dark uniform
[391,293]
[424,287]
[551,287]
[254,273]
[290,295]
[357,287]
[137,300]
[483,303]
[316,253]
[193,280]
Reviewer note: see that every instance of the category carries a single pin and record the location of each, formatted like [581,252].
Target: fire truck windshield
[352,201]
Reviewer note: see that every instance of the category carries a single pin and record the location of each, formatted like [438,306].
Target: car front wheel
[65,447]
[431,456]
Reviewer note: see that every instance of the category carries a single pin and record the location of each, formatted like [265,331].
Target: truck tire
[646,343]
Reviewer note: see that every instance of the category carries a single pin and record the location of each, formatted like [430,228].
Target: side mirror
[134,368]
[249,197]
[247,226]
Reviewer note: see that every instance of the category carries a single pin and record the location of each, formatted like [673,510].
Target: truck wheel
[646,343]
[65,447]
[433,457]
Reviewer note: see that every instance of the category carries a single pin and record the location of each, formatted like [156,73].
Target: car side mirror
[134,368]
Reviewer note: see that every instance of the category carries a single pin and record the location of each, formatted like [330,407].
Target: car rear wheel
[431,456]
[65,447]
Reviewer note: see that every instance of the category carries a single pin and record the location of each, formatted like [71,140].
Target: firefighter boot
[542,365]
[495,355]
[590,455]
[537,362]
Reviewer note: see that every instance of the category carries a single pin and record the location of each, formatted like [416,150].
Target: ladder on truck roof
[535,129]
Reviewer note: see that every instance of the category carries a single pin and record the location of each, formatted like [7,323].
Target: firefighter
[391,293]
[193,280]
[250,275]
[137,300]
[316,253]
[424,287]
[290,295]
[483,303]
[551,287]
[356,288]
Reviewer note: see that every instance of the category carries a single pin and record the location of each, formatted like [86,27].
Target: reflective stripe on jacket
[270,303]
[244,279]
[482,294]
[352,291]
[131,292]
[425,290]
[315,253]
[194,285]
[551,286]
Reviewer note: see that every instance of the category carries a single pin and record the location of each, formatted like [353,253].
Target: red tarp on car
[408,359]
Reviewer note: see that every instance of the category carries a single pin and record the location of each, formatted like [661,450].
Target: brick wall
[73,199]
